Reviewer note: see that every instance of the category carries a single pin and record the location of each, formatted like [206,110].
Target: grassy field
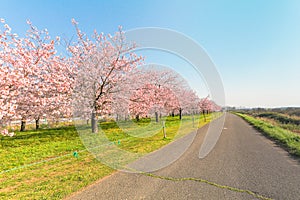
[286,118]
[42,165]
[285,121]
[284,137]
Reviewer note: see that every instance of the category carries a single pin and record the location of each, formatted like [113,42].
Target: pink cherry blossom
[102,62]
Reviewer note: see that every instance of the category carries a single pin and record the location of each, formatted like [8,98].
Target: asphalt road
[243,165]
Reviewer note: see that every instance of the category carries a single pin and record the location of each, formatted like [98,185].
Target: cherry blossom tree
[36,80]
[207,106]
[103,62]
[151,99]
[161,90]
[9,80]
[188,102]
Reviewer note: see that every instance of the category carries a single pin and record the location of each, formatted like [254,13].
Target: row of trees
[99,77]
[35,81]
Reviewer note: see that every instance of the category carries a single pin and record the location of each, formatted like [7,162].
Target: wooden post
[193,120]
[164,129]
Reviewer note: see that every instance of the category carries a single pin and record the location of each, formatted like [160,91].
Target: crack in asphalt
[208,182]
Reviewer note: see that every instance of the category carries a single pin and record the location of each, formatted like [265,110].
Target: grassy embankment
[284,137]
[284,121]
[41,164]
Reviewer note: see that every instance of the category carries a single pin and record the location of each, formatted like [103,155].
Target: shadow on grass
[31,137]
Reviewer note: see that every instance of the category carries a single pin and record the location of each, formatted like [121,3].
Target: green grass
[40,164]
[288,139]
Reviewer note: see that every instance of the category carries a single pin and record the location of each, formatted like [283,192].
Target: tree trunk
[37,124]
[117,118]
[94,123]
[23,125]
[156,117]
[137,117]
[173,114]
[87,122]
[180,113]
[204,115]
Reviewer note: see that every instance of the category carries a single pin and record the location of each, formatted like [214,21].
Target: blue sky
[255,44]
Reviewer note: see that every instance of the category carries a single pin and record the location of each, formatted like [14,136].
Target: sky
[255,45]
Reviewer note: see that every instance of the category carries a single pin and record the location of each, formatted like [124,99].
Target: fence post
[193,121]
[164,129]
